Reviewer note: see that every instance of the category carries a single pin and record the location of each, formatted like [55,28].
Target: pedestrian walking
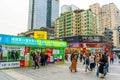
[35,59]
[74,64]
[111,58]
[119,57]
[98,63]
[42,59]
[102,66]
[105,56]
[81,57]
[115,57]
[92,61]
[46,58]
[66,56]
[87,62]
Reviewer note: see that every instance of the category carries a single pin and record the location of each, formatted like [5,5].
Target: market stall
[15,51]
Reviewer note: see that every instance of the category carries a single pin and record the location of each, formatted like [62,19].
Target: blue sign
[93,50]
[24,41]
[17,40]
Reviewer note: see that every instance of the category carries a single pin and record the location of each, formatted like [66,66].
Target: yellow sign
[88,48]
[40,34]
[97,50]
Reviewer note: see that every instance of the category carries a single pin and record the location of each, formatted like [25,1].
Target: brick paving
[57,72]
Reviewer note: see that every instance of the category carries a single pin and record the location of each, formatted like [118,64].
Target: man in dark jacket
[35,59]
[46,57]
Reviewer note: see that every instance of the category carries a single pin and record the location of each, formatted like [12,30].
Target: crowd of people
[98,60]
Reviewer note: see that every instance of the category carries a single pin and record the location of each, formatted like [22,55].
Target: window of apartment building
[78,25]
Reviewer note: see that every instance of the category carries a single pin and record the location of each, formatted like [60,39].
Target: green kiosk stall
[15,51]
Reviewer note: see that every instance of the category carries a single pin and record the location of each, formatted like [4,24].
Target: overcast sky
[14,13]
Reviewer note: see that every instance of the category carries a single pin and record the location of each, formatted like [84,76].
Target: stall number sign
[9,64]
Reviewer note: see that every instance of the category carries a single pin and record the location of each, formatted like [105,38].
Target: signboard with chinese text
[40,34]
[25,41]
[9,64]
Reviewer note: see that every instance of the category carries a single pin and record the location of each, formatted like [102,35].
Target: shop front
[15,51]
[93,47]
[83,44]
[73,47]
[85,47]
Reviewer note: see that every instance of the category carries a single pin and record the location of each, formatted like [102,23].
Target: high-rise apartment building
[42,13]
[78,22]
[108,17]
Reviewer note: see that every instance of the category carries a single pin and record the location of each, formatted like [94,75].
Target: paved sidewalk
[57,72]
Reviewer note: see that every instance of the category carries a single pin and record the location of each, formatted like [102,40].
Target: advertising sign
[27,50]
[27,57]
[4,53]
[40,34]
[93,50]
[5,39]
[13,52]
[74,45]
[96,50]
[56,51]
[50,55]
[9,64]
[25,41]
[57,55]
[51,59]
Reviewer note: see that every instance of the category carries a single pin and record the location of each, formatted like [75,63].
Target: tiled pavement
[57,72]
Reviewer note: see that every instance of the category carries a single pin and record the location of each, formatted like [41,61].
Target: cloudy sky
[14,13]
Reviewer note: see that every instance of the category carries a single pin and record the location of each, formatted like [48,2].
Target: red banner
[49,53]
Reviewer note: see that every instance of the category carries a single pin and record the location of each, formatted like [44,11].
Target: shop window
[13,55]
